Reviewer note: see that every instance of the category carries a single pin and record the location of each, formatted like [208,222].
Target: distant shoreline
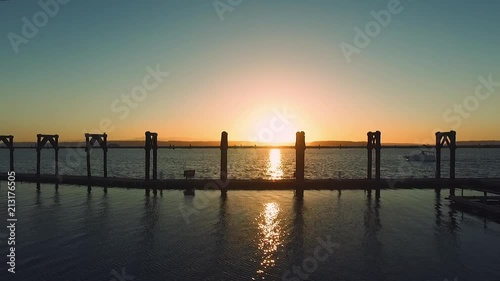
[110,146]
[247,144]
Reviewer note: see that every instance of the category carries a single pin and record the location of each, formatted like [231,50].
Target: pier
[224,183]
[242,184]
[488,204]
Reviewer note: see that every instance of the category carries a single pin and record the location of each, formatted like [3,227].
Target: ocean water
[257,163]
[72,234]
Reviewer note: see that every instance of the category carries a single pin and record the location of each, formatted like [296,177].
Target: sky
[260,70]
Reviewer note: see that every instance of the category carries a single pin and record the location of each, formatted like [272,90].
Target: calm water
[257,163]
[70,234]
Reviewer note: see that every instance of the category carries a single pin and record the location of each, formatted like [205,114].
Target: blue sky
[231,74]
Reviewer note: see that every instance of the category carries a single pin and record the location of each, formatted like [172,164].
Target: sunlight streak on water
[274,167]
[270,235]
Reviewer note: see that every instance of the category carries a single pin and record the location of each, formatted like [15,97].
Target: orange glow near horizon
[261,122]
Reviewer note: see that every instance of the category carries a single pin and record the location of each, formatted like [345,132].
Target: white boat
[423,156]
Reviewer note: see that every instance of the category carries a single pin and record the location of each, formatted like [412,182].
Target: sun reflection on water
[274,168]
[270,235]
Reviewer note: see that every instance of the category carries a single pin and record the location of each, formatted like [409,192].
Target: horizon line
[263,143]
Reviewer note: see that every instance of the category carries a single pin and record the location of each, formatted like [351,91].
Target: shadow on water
[96,227]
[296,253]
[372,246]
[446,233]
[221,234]
[221,225]
[44,229]
[149,223]
[38,201]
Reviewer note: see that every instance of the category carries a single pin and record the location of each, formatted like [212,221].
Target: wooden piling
[105,154]
[11,158]
[448,138]
[9,143]
[369,147]
[38,148]
[155,157]
[300,148]
[41,141]
[438,155]
[102,140]
[373,142]
[151,143]
[223,156]
[87,150]
[223,160]
[378,147]
[147,148]
[56,153]
[453,147]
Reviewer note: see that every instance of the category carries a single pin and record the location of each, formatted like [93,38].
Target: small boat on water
[423,156]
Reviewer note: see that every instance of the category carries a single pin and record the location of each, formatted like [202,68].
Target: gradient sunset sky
[234,72]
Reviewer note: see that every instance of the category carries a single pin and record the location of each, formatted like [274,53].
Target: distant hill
[337,143]
[363,143]
[249,143]
[490,142]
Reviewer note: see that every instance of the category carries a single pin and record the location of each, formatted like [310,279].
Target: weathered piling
[41,141]
[223,160]
[56,154]
[38,152]
[105,154]
[151,144]
[374,142]
[9,143]
[87,150]
[155,156]
[300,148]
[102,140]
[448,138]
